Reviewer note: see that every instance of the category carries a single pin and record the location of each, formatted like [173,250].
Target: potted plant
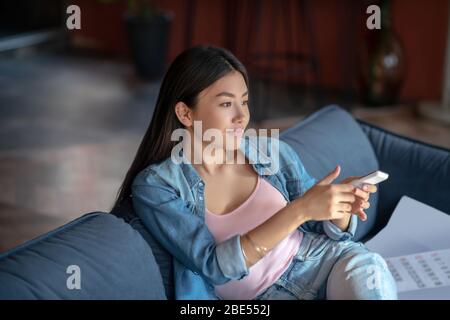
[148,30]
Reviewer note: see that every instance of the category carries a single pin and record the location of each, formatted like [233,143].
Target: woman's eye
[229,104]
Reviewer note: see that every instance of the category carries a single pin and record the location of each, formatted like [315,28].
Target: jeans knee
[376,261]
[379,277]
[362,275]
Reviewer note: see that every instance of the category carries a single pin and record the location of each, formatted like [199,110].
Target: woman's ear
[184,114]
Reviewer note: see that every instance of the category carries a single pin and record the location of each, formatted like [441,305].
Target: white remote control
[372,178]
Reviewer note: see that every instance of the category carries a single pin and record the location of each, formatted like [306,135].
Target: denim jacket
[169,199]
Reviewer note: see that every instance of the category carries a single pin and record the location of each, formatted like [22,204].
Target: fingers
[370,188]
[361,194]
[356,207]
[362,215]
[346,197]
[348,188]
[360,203]
[345,187]
[330,177]
[344,207]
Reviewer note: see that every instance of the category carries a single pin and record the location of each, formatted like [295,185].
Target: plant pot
[148,39]
[381,63]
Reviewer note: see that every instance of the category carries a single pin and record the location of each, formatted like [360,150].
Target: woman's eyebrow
[228,94]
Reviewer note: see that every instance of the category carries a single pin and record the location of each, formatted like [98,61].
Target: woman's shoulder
[271,155]
[165,173]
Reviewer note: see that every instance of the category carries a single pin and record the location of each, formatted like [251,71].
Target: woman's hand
[325,201]
[362,197]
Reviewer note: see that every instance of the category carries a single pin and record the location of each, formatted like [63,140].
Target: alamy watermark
[74,20]
[375,277]
[74,280]
[374,20]
[220,146]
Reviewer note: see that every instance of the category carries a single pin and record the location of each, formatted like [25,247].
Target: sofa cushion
[163,258]
[331,137]
[114,262]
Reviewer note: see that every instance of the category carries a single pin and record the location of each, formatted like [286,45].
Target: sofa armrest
[113,261]
[416,169]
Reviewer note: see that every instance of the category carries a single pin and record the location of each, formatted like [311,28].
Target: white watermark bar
[213,146]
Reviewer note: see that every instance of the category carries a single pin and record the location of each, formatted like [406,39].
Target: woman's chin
[234,143]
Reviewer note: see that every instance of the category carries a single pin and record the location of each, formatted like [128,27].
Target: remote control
[372,178]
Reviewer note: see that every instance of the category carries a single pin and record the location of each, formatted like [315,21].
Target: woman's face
[223,106]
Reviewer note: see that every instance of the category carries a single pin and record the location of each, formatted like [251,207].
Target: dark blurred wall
[420,24]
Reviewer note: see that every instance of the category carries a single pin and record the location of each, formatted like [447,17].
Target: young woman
[242,229]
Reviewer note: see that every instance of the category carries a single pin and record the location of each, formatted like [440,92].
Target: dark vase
[148,39]
[381,63]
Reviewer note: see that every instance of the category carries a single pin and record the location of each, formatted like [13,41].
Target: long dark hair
[190,73]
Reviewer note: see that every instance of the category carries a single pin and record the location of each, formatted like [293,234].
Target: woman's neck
[212,160]
[217,165]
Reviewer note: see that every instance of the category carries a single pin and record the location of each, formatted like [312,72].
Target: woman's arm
[321,202]
[272,231]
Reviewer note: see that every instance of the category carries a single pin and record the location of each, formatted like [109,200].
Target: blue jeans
[327,269]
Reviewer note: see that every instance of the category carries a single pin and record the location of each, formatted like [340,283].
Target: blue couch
[119,259]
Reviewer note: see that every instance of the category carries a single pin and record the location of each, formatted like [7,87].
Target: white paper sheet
[421,271]
[415,235]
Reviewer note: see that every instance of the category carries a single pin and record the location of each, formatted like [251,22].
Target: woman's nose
[239,114]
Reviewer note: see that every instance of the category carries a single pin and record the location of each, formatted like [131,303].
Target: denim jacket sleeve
[186,236]
[326,227]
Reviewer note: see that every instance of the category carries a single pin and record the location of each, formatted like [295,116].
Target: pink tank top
[263,203]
